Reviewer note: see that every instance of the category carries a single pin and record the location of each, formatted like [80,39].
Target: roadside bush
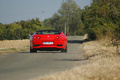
[19,30]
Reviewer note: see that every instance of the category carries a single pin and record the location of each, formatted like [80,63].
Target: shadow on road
[70,59]
[77,41]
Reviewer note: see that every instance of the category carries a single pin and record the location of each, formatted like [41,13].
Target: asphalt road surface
[26,65]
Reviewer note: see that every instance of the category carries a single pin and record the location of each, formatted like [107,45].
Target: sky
[17,10]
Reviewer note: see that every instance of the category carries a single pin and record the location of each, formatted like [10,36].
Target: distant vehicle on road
[48,40]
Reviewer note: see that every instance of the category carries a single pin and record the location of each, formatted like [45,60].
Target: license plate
[47,42]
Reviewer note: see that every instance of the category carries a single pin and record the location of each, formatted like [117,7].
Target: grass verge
[12,46]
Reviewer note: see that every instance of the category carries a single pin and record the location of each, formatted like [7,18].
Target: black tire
[64,50]
[32,50]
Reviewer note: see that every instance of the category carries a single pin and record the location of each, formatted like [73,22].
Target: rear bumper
[47,46]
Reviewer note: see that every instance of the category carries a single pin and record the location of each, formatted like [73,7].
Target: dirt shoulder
[104,65]
[12,46]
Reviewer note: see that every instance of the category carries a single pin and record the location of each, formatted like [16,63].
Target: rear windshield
[48,32]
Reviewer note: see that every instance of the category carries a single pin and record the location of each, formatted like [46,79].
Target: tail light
[36,37]
[61,37]
[57,37]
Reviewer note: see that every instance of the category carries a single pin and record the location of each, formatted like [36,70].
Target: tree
[102,18]
[2,30]
[70,15]
[13,31]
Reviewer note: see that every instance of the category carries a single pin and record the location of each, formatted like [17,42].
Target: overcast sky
[17,10]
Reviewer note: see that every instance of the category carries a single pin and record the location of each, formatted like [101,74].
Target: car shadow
[40,52]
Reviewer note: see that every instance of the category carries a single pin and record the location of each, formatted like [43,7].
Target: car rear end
[49,40]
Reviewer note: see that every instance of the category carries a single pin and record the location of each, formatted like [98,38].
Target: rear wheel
[32,50]
[64,50]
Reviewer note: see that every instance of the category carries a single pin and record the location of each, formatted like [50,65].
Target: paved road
[25,65]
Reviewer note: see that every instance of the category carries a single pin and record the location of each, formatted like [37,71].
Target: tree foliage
[19,30]
[102,19]
[70,15]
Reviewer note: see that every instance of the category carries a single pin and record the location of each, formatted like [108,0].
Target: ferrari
[48,40]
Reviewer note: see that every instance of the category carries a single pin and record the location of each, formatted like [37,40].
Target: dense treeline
[102,19]
[19,30]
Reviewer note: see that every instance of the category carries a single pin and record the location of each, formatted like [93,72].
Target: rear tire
[64,50]
[32,50]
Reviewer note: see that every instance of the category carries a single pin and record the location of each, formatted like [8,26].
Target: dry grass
[11,46]
[94,49]
[105,65]
[105,69]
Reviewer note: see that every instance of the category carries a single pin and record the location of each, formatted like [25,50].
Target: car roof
[48,30]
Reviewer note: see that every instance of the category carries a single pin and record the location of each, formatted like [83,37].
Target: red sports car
[48,40]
